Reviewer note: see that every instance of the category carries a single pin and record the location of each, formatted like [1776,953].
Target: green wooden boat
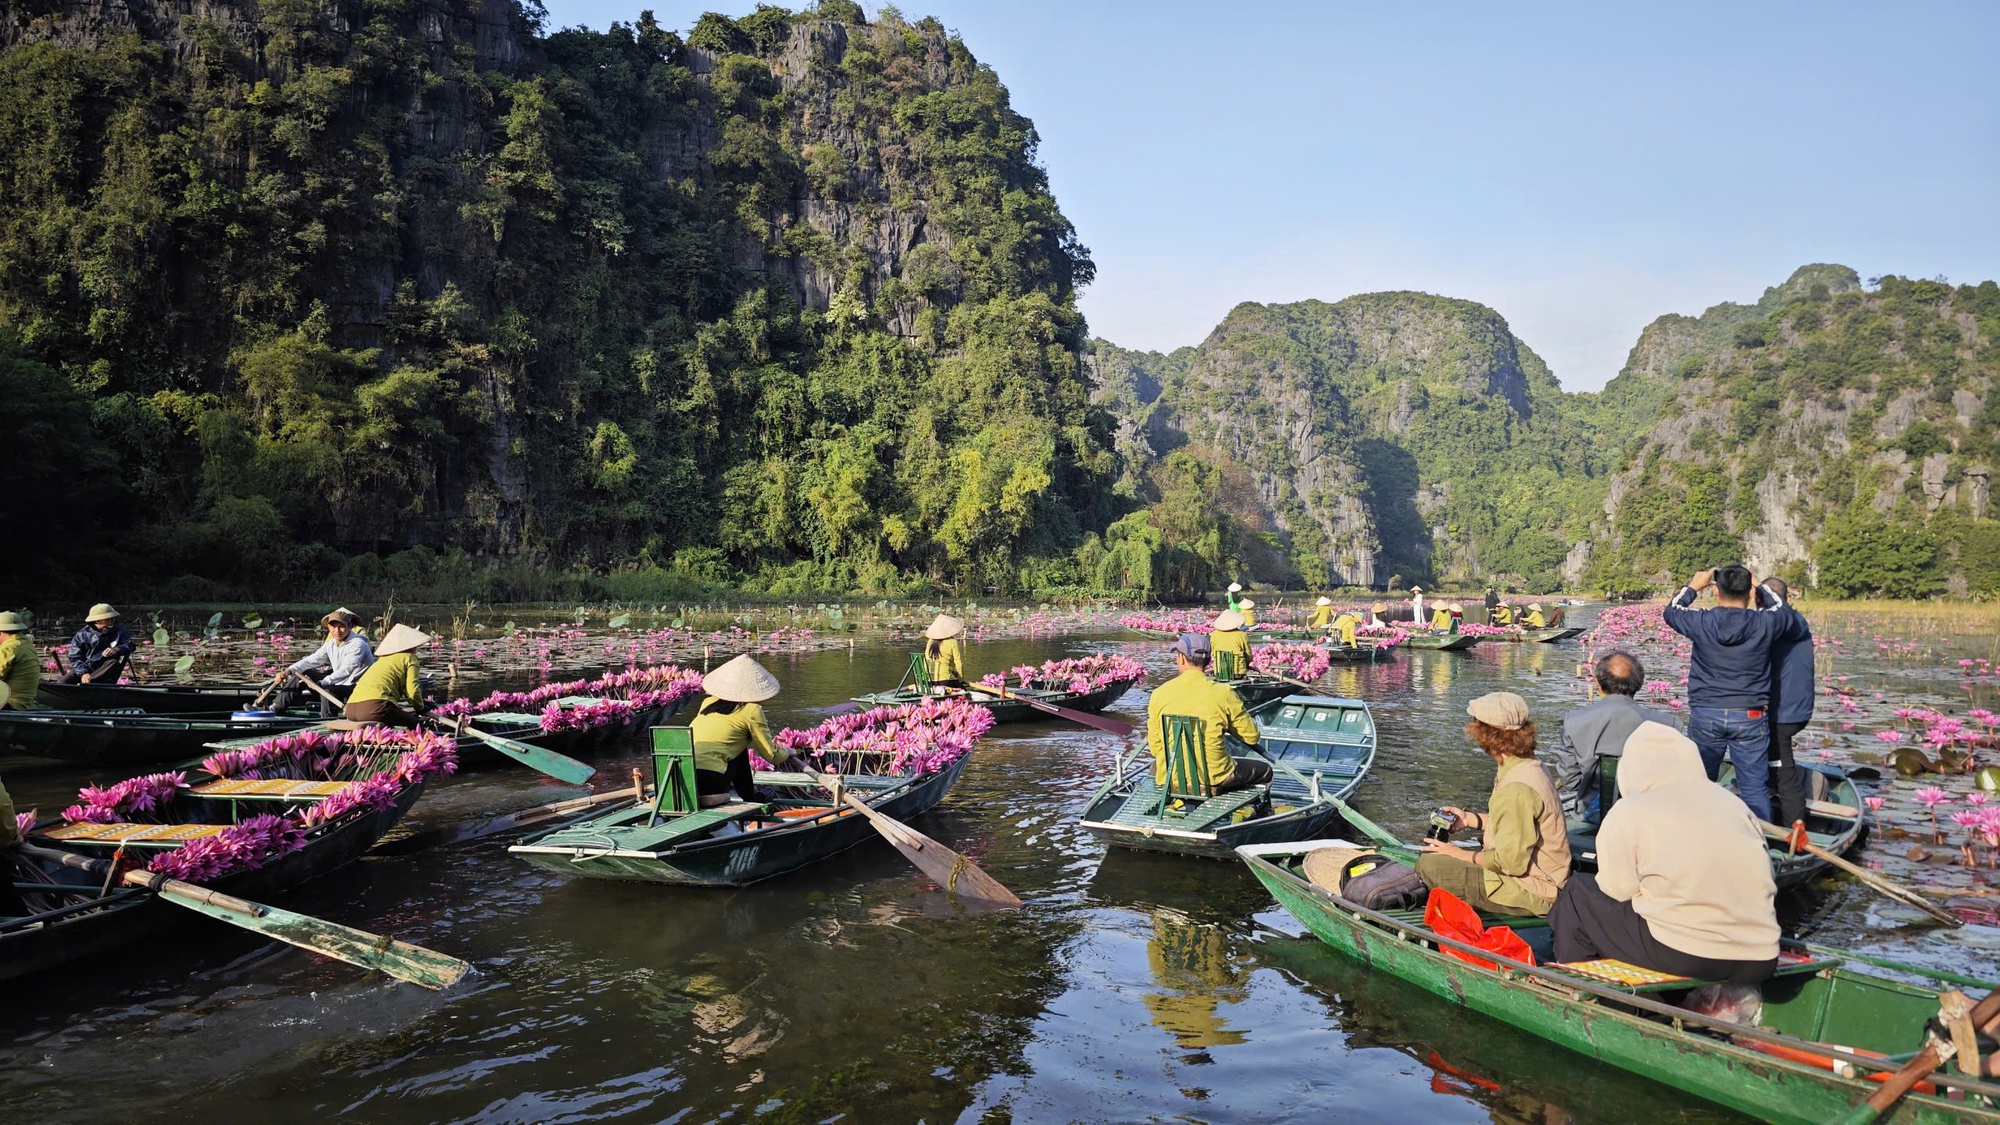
[106,738]
[1011,710]
[151,699]
[1256,688]
[1835,824]
[1322,748]
[1535,636]
[75,918]
[670,840]
[1441,642]
[1781,1070]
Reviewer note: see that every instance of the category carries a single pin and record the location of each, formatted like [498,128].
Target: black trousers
[1249,771]
[1791,788]
[737,775]
[288,695]
[1589,924]
[102,672]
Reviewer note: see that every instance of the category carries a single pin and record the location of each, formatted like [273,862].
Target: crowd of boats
[259,804]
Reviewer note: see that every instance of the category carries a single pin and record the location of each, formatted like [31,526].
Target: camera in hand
[1441,826]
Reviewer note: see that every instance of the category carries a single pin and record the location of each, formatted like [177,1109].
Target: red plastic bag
[1448,915]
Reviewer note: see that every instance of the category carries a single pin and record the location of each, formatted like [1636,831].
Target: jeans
[1744,737]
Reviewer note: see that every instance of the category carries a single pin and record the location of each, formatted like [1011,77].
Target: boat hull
[1536,636]
[153,699]
[737,861]
[135,915]
[1709,1068]
[1441,642]
[87,738]
[1014,710]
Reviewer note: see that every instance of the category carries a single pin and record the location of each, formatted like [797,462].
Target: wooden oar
[1918,1068]
[1101,722]
[399,959]
[947,868]
[559,766]
[268,689]
[1875,882]
[493,826]
[1298,683]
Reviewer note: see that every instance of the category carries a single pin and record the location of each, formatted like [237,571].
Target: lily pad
[160,638]
[183,664]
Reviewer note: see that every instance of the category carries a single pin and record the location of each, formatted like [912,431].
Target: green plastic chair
[919,673]
[1187,761]
[673,772]
[1226,670]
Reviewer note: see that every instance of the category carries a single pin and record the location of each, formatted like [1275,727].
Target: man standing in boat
[1216,707]
[1729,676]
[1793,681]
[1598,730]
[98,651]
[1417,619]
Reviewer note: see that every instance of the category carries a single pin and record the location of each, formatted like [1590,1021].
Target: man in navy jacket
[1793,686]
[1729,677]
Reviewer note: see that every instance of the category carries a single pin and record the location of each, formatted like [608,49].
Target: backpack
[1368,879]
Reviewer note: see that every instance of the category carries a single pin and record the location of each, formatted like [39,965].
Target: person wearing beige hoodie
[1683,881]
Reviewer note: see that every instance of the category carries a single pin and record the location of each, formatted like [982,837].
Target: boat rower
[728,724]
[1441,618]
[1248,609]
[1216,706]
[1235,588]
[1457,618]
[335,665]
[1348,626]
[1535,619]
[1322,614]
[1375,613]
[11,905]
[20,664]
[1501,614]
[1228,637]
[98,651]
[391,680]
[944,654]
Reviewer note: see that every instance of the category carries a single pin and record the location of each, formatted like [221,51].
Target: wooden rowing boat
[1323,747]
[736,844]
[1006,710]
[105,738]
[1441,642]
[1835,824]
[150,699]
[1785,1069]
[75,918]
[1258,688]
[1535,636]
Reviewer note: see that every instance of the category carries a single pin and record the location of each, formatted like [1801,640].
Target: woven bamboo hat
[1324,601]
[343,616]
[1246,603]
[1416,589]
[1228,620]
[945,626]
[1380,607]
[402,639]
[742,680]
[102,611]
[1534,605]
[1235,587]
[10,622]
[1324,866]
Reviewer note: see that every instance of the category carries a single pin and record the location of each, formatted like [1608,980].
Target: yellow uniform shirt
[1503,615]
[1536,620]
[1321,615]
[1215,705]
[20,670]
[719,738]
[948,664]
[393,678]
[1235,642]
[1249,616]
[1348,626]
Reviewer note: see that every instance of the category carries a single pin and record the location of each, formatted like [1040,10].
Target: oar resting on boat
[399,959]
[950,870]
[562,767]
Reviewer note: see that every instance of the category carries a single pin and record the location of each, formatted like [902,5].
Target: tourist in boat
[391,683]
[944,654]
[1248,609]
[729,724]
[1598,730]
[1524,854]
[1228,637]
[1729,676]
[1375,613]
[1322,614]
[1417,617]
[335,665]
[1501,615]
[1219,710]
[20,664]
[1683,882]
[1457,618]
[1793,680]
[98,651]
[1535,618]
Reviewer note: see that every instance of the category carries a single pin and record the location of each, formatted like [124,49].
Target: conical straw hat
[402,639]
[1235,588]
[742,680]
[102,611]
[1228,619]
[1324,601]
[1246,603]
[945,626]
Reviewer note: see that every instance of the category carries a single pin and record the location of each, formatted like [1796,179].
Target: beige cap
[1235,588]
[945,626]
[1324,601]
[10,622]
[1501,709]
[1227,620]
[102,611]
[343,615]
[741,680]
[402,638]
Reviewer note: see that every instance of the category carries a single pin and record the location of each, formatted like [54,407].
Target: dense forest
[304,297]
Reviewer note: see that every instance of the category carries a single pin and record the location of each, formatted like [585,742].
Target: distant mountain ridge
[1399,437]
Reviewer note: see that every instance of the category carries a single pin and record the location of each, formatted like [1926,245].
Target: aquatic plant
[1300,662]
[245,846]
[1078,673]
[671,681]
[906,740]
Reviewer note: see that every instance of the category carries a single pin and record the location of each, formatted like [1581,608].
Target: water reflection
[1196,975]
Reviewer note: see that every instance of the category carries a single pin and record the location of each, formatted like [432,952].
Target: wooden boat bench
[635,835]
[1194,813]
[132,835]
[275,789]
[1631,978]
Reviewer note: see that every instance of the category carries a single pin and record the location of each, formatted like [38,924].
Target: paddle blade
[945,867]
[399,959]
[559,766]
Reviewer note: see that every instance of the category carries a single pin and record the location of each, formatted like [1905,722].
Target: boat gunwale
[1558,984]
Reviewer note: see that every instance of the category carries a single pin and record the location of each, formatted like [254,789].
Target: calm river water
[1132,988]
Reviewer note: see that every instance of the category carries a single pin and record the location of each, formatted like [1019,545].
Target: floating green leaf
[184,663]
[254,621]
[215,619]
[160,638]
[619,621]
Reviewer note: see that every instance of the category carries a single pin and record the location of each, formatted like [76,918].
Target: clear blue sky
[1581,168]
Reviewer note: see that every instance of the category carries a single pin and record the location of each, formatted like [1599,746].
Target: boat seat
[634,834]
[850,781]
[139,835]
[1632,978]
[1143,807]
[275,789]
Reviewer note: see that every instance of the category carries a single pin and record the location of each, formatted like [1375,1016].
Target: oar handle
[1914,1071]
[268,689]
[1876,882]
[150,880]
[324,694]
